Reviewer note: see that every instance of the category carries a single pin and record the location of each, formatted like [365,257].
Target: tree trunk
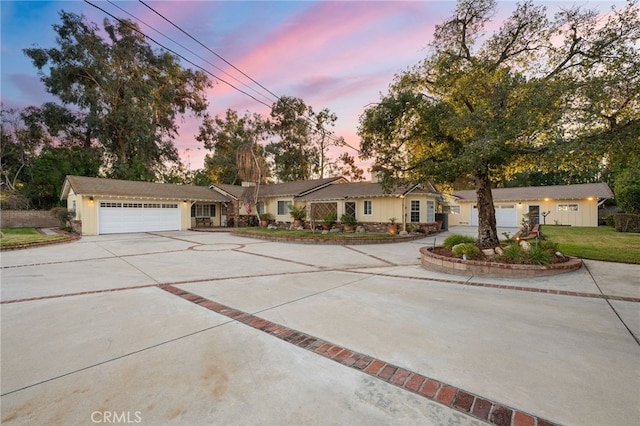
[487,234]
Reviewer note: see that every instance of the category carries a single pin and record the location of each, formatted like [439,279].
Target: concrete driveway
[212,328]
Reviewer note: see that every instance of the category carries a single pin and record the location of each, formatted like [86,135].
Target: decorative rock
[559,254]
[525,245]
[404,233]
[334,230]
[300,228]
[324,231]
[499,251]
[360,229]
[272,226]
[489,252]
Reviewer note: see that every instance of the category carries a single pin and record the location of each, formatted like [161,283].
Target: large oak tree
[479,104]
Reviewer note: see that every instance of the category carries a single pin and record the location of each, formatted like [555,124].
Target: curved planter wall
[449,265]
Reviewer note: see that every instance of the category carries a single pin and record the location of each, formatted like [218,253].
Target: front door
[534,215]
[223,214]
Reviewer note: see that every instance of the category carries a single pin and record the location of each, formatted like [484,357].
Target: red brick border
[443,393]
[337,240]
[511,287]
[433,261]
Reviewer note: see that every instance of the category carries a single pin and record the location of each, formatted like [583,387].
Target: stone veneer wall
[28,219]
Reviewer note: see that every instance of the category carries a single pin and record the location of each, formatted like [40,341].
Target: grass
[20,236]
[293,233]
[597,243]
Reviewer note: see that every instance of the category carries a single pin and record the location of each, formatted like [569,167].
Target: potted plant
[298,214]
[348,222]
[328,220]
[393,228]
[265,218]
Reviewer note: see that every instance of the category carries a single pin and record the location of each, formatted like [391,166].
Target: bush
[609,220]
[514,252]
[540,255]
[537,256]
[627,190]
[63,215]
[627,222]
[347,219]
[456,239]
[470,249]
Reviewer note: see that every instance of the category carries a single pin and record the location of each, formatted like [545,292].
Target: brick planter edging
[456,266]
[68,239]
[435,390]
[332,241]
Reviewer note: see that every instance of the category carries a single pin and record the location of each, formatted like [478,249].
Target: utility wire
[201,44]
[309,119]
[330,135]
[177,54]
[188,50]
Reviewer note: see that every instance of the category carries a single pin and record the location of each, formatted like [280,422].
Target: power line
[308,119]
[310,123]
[201,44]
[177,54]
[187,49]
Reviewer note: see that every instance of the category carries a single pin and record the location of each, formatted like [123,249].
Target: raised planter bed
[335,239]
[450,265]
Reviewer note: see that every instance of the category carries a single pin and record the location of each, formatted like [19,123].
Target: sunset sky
[339,55]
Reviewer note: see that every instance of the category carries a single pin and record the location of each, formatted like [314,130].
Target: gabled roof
[362,189]
[284,189]
[99,187]
[297,188]
[554,192]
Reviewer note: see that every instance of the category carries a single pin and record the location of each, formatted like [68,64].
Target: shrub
[537,256]
[470,249]
[627,222]
[540,255]
[347,219]
[456,239]
[609,220]
[627,190]
[299,212]
[513,252]
[63,215]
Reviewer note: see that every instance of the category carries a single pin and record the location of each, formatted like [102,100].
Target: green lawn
[601,243]
[19,236]
[293,233]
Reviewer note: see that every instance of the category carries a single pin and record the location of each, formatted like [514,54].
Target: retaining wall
[28,219]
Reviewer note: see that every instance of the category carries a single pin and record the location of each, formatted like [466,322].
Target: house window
[567,208]
[350,208]
[453,209]
[73,208]
[368,208]
[415,211]
[283,207]
[203,210]
[431,211]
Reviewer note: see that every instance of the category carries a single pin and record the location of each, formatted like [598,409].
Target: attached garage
[506,215]
[116,217]
[111,206]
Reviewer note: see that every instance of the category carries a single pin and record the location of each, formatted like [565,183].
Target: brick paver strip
[446,394]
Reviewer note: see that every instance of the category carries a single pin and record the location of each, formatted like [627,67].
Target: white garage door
[115,217]
[506,215]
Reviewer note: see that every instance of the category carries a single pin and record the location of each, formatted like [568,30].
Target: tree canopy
[126,96]
[237,154]
[477,105]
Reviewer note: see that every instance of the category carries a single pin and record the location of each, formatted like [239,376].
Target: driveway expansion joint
[432,389]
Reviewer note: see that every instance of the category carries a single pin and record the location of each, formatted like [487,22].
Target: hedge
[627,222]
